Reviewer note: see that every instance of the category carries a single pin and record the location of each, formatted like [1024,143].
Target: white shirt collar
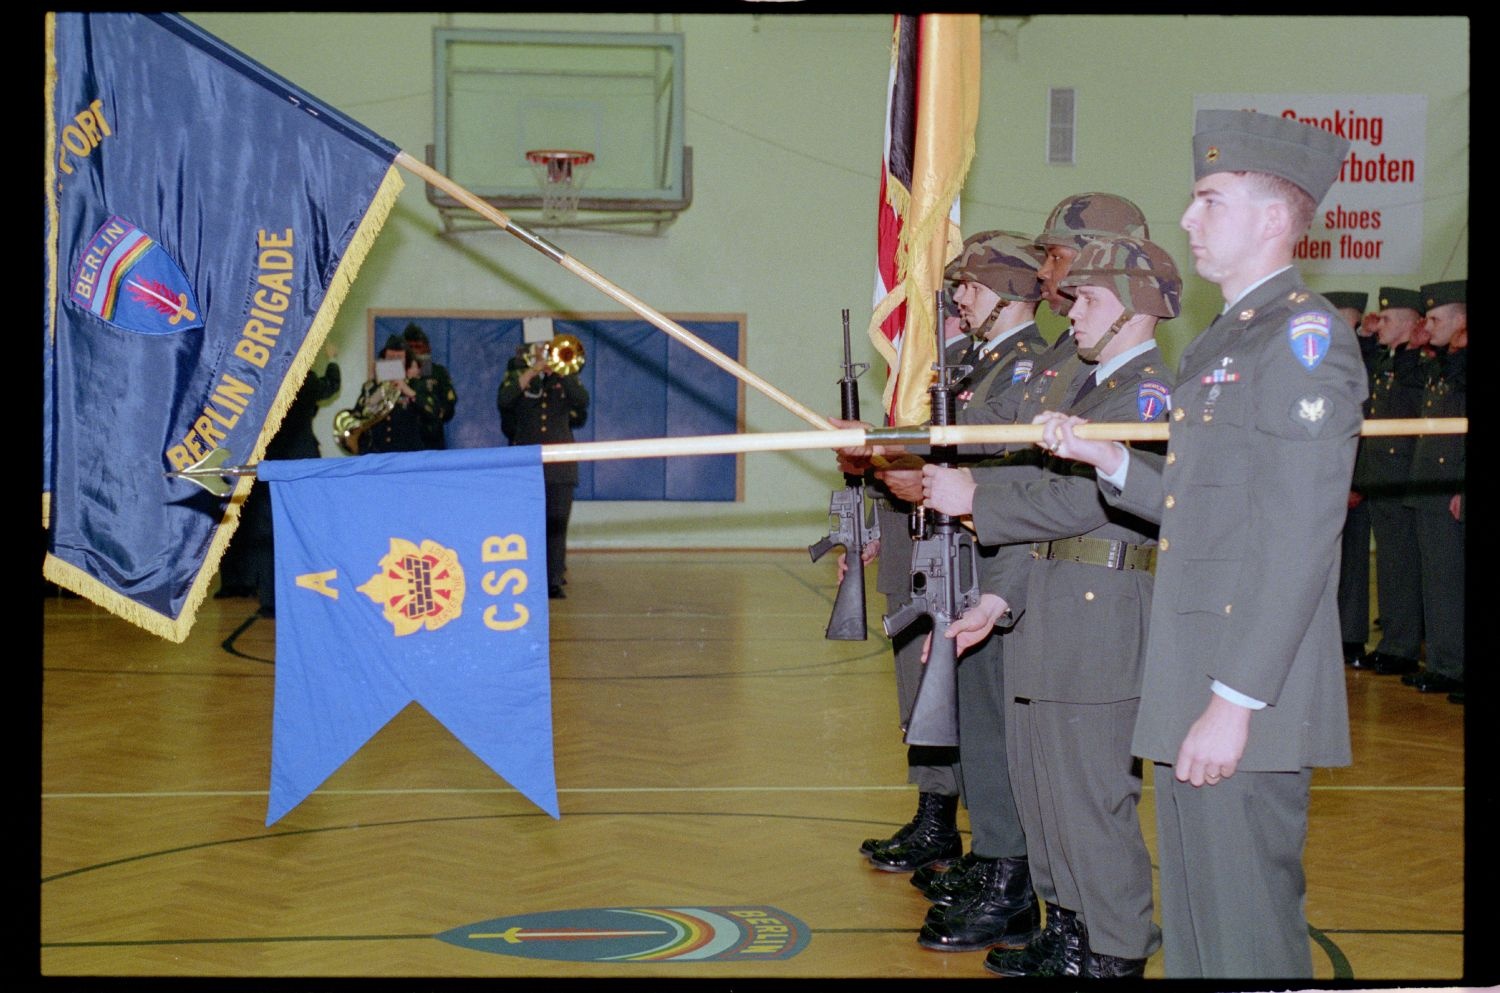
[1249,289]
[1104,369]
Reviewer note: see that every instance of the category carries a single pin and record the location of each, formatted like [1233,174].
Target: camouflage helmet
[1082,218]
[1005,261]
[1139,272]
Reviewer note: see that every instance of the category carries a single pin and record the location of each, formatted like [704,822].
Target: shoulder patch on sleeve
[1021,371]
[1152,399]
[1311,411]
[1308,334]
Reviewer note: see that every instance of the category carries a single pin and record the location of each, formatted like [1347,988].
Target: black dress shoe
[1410,679]
[556,593]
[1354,652]
[1436,682]
[934,836]
[1114,967]
[1061,949]
[1457,696]
[1389,665]
[1003,911]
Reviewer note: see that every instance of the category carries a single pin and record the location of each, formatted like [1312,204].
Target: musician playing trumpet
[399,406]
[541,400]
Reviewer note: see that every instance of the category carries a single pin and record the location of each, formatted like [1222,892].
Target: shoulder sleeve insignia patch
[1021,371]
[1308,334]
[1152,399]
[1311,411]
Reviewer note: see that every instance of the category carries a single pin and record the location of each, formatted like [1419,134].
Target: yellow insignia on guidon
[417,587]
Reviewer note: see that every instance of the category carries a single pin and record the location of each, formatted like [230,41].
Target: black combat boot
[930,873]
[1061,949]
[933,836]
[955,884]
[1113,967]
[870,846]
[1002,912]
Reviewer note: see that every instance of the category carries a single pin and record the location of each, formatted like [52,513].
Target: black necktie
[1089,382]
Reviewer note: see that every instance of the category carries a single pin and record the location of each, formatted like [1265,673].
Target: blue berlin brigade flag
[203,221]
[411,576]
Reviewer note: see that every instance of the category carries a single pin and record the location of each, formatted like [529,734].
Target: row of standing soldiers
[1409,490]
[1137,609]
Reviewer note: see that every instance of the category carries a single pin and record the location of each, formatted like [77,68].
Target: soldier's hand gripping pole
[849,525]
[944,584]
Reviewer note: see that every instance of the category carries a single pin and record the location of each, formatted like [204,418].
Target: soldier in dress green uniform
[1073,676]
[1354,563]
[1243,689]
[1436,495]
[1382,474]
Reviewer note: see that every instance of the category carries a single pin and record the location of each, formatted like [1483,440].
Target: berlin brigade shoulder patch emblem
[417,587]
[640,934]
[1309,334]
[124,278]
[1151,399]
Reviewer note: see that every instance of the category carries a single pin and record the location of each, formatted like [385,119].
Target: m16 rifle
[944,583]
[850,525]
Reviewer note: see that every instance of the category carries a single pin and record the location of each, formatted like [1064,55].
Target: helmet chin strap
[1091,354]
[989,322]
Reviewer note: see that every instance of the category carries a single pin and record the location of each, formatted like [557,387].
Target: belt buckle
[1116,559]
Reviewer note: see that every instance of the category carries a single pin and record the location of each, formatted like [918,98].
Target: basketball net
[559,174]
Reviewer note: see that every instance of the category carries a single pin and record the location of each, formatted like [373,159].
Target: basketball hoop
[560,173]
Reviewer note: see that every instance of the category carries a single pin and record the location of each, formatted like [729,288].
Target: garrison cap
[395,343]
[1139,272]
[1438,294]
[1341,298]
[1005,261]
[1395,296]
[1245,141]
[1080,219]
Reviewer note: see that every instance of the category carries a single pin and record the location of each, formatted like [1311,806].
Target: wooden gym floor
[712,749]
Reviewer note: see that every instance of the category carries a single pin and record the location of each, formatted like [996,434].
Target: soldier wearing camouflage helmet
[996,292]
[933,770]
[1124,277]
[1071,225]
[1075,222]
[1072,671]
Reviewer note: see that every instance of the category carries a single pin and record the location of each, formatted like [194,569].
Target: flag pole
[656,317]
[209,471]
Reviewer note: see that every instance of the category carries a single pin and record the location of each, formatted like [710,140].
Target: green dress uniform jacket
[1438,461]
[1073,670]
[1251,498]
[544,415]
[1084,634]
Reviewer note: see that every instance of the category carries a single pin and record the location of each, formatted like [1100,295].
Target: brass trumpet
[562,356]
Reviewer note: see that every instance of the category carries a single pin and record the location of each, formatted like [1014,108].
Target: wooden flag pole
[656,317]
[959,434]
[211,471]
